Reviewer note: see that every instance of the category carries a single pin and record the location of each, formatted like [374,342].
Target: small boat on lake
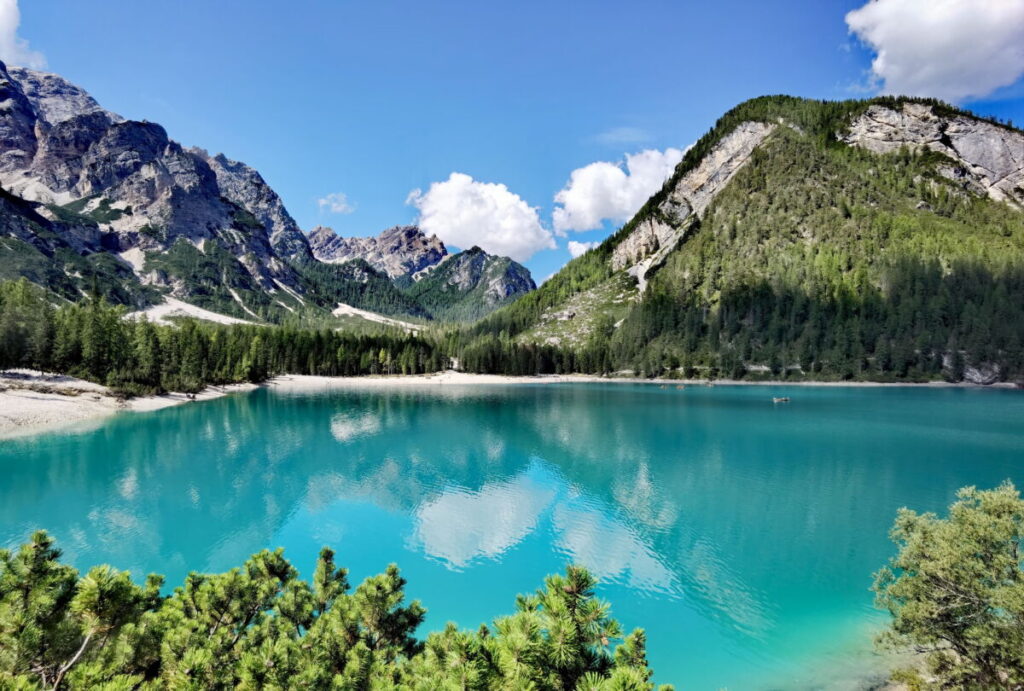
[780,399]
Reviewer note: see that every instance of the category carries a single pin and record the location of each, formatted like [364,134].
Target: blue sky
[371,101]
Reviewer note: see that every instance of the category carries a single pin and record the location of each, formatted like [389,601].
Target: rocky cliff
[658,234]
[986,156]
[245,187]
[398,251]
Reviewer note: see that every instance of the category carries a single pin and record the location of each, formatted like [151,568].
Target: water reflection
[752,529]
[459,526]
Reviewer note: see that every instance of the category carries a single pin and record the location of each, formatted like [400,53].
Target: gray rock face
[17,125]
[499,278]
[654,238]
[398,251]
[142,189]
[54,98]
[991,157]
[244,186]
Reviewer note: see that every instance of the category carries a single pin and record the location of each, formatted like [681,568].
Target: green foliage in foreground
[261,627]
[956,591]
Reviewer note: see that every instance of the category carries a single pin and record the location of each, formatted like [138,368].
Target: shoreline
[455,378]
[32,402]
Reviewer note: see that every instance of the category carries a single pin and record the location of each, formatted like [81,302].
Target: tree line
[94,340]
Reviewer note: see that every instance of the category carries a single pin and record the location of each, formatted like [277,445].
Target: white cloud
[604,190]
[464,212]
[577,249]
[336,203]
[13,49]
[949,49]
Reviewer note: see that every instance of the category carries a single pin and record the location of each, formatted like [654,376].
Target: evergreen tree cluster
[955,591]
[261,627]
[93,340]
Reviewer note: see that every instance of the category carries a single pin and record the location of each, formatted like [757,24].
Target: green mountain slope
[815,258]
[470,284]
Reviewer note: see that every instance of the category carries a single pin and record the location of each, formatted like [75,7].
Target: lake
[740,533]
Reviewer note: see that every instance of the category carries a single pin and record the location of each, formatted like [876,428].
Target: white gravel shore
[32,402]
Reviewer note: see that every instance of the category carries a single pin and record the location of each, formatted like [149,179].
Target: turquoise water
[741,534]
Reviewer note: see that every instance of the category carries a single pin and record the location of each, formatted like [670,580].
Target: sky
[531,129]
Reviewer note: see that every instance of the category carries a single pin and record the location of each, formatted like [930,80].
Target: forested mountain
[863,239]
[470,284]
[89,200]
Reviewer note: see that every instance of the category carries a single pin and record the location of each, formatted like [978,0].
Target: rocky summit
[92,201]
[398,252]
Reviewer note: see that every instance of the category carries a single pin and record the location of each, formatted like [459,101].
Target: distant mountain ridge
[459,287]
[95,200]
[398,251]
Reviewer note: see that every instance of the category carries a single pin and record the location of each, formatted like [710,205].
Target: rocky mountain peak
[397,251]
[244,186]
[54,98]
[77,180]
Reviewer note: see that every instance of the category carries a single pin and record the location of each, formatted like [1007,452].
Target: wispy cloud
[14,50]
[955,50]
[335,203]
[619,136]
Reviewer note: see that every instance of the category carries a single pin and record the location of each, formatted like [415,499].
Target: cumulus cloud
[610,191]
[577,249]
[336,203]
[464,212]
[949,49]
[13,49]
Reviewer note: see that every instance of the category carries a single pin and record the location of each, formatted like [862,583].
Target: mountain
[863,239]
[92,201]
[466,286]
[450,287]
[399,251]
